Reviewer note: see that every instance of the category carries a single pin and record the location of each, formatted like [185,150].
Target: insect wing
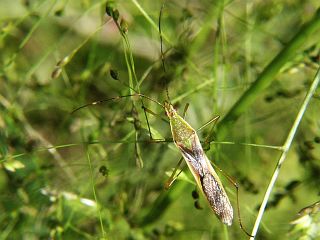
[208,181]
[217,197]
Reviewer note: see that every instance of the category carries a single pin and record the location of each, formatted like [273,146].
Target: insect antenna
[161,50]
[115,99]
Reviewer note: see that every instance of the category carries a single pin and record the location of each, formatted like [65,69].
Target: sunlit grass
[96,174]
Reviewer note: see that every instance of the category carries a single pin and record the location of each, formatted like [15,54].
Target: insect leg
[172,178]
[235,184]
[185,110]
[212,120]
[155,114]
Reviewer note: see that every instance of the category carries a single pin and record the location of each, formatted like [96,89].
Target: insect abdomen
[217,198]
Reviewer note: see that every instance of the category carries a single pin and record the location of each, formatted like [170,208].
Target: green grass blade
[286,148]
[268,74]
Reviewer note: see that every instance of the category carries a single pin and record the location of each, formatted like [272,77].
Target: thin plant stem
[285,150]
[94,192]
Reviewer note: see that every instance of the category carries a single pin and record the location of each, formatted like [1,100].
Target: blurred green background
[80,175]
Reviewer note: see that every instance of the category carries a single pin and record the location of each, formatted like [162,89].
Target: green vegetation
[95,174]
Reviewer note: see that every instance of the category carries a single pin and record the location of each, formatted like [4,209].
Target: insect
[187,141]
